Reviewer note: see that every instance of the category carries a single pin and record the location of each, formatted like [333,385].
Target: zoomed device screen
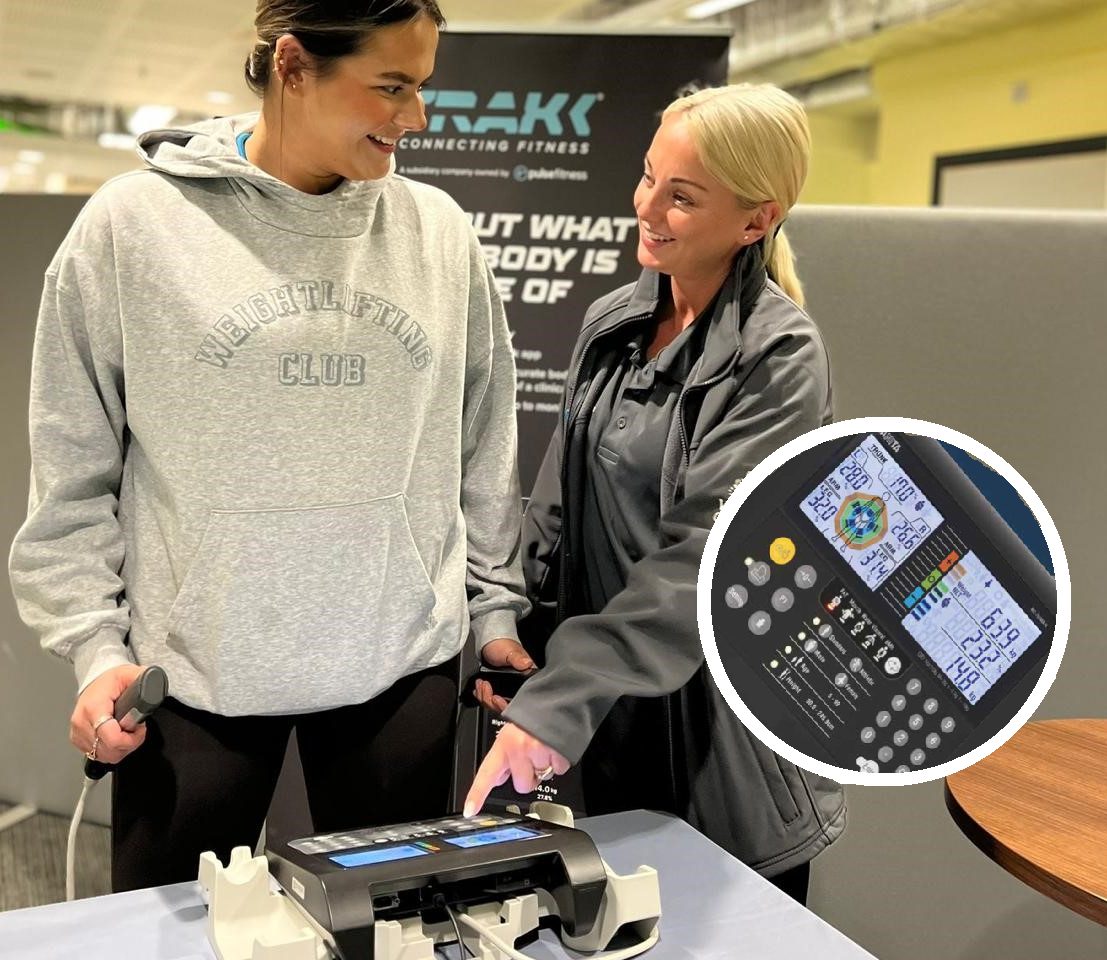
[485,837]
[972,628]
[871,512]
[380,855]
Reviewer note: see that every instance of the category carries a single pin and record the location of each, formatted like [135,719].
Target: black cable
[462,949]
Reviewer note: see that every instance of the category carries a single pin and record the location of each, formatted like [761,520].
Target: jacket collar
[723,344]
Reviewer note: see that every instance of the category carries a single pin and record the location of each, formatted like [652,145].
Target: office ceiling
[84,65]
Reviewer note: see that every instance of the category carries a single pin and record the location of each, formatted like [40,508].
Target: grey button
[931,706]
[868,735]
[759,574]
[737,596]
[841,680]
[884,754]
[622,421]
[914,686]
[948,724]
[918,757]
[883,718]
[806,577]
[916,721]
[760,623]
[933,741]
[903,768]
[899,701]
[892,666]
[783,599]
[825,630]
[899,738]
[855,665]
[811,646]
[868,766]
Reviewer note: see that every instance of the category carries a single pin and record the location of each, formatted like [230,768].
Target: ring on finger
[99,723]
[545,774]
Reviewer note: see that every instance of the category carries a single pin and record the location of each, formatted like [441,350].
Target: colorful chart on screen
[871,511]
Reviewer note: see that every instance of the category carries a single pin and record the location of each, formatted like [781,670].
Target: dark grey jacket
[763,380]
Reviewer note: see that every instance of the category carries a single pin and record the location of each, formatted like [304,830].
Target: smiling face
[690,226]
[345,123]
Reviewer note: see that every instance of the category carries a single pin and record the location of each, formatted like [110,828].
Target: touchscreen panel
[871,512]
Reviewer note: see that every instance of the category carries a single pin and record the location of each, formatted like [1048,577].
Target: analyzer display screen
[975,631]
[378,855]
[871,512]
[486,837]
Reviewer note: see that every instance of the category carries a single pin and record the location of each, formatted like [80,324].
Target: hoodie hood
[207,150]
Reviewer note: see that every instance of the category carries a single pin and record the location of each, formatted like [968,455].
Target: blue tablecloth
[714,907]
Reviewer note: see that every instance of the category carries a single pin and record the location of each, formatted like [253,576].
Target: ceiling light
[30,156]
[24,169]
[709,8]
[220,97]
[150,116]
[56,182]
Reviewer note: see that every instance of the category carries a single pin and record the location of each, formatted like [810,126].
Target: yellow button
[782,550]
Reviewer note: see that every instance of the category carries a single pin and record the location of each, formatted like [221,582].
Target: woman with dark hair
[680,384]
[273,438]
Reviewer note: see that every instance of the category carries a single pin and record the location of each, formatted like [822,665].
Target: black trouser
[635,738]
[794,882]
[204,782]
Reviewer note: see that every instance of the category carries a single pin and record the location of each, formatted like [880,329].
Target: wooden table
[1038,807]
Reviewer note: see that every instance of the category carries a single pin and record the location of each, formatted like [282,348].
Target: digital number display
[975,632]
[485,837]
[871,512]
[378,855]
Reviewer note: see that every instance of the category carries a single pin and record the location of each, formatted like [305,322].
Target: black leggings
[794,882]
[204,782]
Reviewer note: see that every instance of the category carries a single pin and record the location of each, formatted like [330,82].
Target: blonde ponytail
[781,264]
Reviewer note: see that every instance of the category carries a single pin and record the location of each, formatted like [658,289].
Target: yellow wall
[842,152]
[957,98]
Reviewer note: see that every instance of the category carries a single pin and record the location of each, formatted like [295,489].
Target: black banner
[540,138]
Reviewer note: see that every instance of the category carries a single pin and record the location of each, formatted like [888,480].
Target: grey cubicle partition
[991,323]
[37,764]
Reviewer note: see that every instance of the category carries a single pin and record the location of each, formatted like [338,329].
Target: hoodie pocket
[285,611]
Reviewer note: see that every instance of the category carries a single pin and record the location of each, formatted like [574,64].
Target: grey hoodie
[273,435]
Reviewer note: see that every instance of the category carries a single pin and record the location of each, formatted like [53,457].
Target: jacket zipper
[669,699]
[570,392]
[680,404]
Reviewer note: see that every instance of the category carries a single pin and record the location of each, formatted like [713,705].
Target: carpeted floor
[32,861]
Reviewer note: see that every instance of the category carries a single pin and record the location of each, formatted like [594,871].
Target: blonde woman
[679,385]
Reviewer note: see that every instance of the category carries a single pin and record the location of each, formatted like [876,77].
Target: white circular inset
[865,772]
